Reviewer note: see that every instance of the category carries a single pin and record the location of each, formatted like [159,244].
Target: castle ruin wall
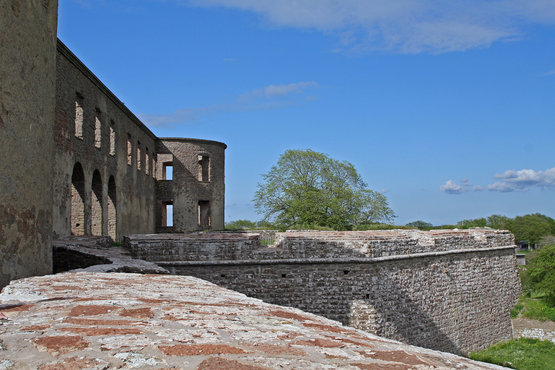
[27,86]
[451,291]
[104,177]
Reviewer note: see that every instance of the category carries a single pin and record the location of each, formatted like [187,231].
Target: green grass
[524,353]
[267,242]
[533,307]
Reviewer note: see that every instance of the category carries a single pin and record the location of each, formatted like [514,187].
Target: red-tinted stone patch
[218,363]
[91,310]
[399,356]
[60,344]
[170,317]
[72,363]
[362,344]
[289,315]
[200,349]
[319,342]
[97,322]
[327,328]
[273,349]
[380,367]
[18,308]
[102,331]
[152,300]
[35,327]
[138,313]
[291,335]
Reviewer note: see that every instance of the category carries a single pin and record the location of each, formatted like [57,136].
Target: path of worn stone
[117,320]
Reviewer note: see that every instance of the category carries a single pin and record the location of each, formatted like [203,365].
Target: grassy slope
[523,353]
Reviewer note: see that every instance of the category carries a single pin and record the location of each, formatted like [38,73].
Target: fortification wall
[104,182]
[196,190]
[451,291]
[27,80]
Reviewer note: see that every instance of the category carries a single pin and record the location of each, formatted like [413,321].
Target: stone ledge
[98,320]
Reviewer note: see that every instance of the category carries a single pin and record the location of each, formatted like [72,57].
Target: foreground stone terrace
[101,320]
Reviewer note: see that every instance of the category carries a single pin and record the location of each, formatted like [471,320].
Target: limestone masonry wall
[27,81]
[446,290]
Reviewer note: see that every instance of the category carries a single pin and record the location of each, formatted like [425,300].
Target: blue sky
[448,107]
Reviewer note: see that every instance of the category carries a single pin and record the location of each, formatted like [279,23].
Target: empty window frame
[112,138]
[167,214]
[138,155]
[98,129]
[204,213]
[167,171]
[203,168]
[147,161]
[79,116]
[129,150]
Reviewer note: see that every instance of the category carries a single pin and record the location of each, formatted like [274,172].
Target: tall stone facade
[27,93]
[196,189]
[111,172]
[75,160]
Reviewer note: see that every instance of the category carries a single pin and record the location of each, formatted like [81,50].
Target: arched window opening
[112,209]
[77,215]
[96,204]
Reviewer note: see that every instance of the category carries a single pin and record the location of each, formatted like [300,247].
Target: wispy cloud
[451,187]
[278,91]
[404,26]
[267,97]
[523,180]
[549,73]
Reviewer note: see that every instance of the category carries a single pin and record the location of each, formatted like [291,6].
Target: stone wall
[27,80]
[196,190]
[445,290]
[104,178]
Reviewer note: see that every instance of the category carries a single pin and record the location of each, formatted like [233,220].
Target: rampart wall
[445,290]
[27,80]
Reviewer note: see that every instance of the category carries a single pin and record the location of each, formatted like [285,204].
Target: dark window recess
[167,171]
[204,213]
[345,272]
[283,275]
[167,214]
[204,168]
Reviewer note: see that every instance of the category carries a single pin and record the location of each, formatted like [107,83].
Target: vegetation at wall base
[523,353]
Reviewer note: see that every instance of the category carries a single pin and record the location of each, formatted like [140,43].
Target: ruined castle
[76,161]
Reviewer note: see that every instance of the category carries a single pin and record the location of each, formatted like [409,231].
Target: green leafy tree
[540,272]
[499,222]
[477,222]
[240,225]
[420,224]
[531,228]
[311,189]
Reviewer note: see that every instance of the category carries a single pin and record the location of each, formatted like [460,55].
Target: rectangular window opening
[147,162]
[129,150]
[79,116]
[154,168]
[204,168]
[167,214]
[167,171]
[204,213]
[138,155]
[112,138]
[98,129]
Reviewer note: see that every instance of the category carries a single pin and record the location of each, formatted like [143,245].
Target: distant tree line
[534,229]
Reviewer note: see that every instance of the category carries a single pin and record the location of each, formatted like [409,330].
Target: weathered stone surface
[96,254]
[27,81]
[444,289]
[191,324]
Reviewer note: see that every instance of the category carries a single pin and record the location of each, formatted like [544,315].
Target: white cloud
[277,91]
[451,187]
[268,97]
[405,26]
[523,180]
